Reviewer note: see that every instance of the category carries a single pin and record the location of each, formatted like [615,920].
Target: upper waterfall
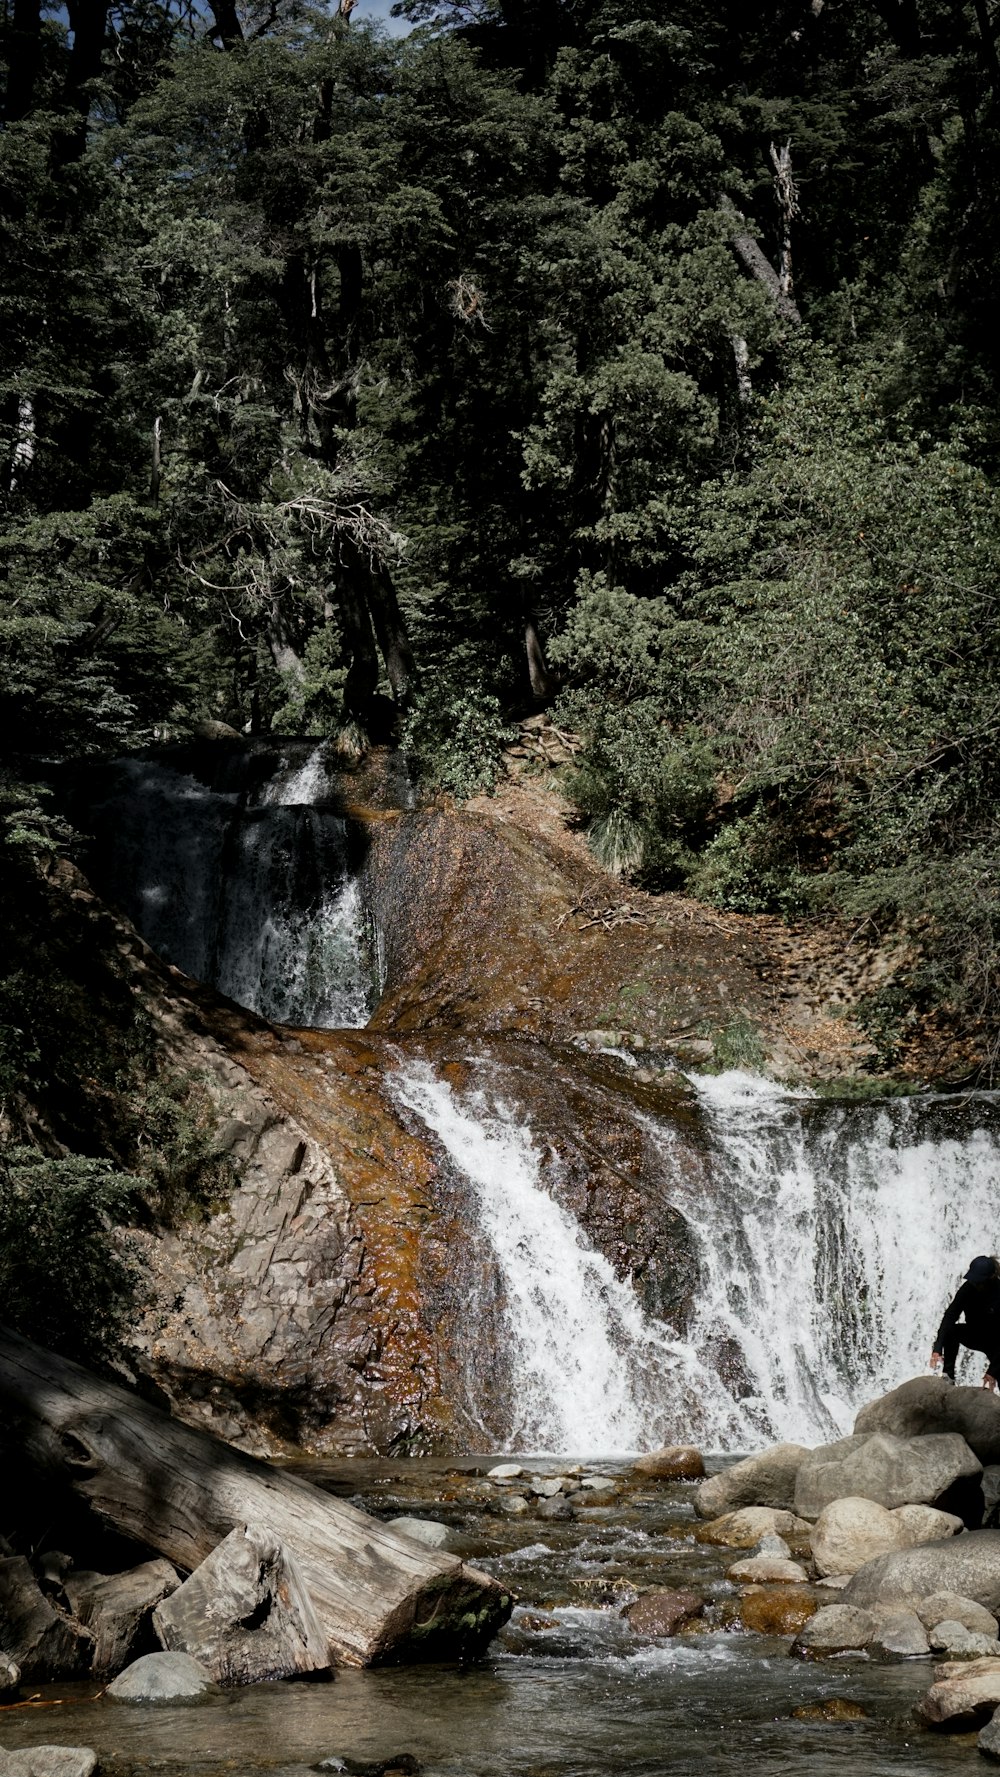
[248,884]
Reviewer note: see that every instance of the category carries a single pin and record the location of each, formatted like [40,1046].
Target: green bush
[70,1278]
[454,740]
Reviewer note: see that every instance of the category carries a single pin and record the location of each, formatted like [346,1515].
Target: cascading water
[251,889]
[589,1371]
[830,1242]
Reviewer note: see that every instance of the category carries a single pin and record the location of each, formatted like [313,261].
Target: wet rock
[961,1643]
[546,1486]
[663,1611]
[596,1514]
[773,1545]
[117,1608]
[506,1471]
[49,1761]
[535,1622]
[597,1483]
[245,1614]
[928,1405]
[968,1565]
[892,1471]
[850,1532]
[424,1530]
[515,1505]
[162,1678]
[766,1570]
[831,1709]
[743,1529]
[948,1607]
[558,1508]
[781,1610]
[675,1462]
[962,1698]
[42,1640]
[764,1480]
[835,1629]
[989,1739]
[901,1636]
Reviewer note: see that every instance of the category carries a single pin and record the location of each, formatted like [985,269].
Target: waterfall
[588,1371]
[830,1241]
[830,1238]
[251,889]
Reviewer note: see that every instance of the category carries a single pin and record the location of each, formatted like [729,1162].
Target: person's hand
[935,1360]
[990,1382]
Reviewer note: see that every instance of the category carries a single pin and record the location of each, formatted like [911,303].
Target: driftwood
[244,1614]
[378,1596]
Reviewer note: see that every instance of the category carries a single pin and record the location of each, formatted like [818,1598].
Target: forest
[635,362]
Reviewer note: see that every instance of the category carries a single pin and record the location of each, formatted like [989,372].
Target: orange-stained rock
[831,1709]
[776,1610]
[663,1611]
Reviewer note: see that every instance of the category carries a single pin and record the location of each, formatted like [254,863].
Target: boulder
[962,1697]
[117,1608]
[766,1570]
[676,1462]
[424,1530]
[558,1508]
[48,1761]
[781,1610]
[42,1640]
[850,1532]
[891,1471]
[961,1643]
[835,1629]
[663,1611]
[764,1480]
[245,1614]
[162,1678]
[928,1405]
[989,1739]
[949,1607]
[967,1564]
[744,1529]
[901,1636]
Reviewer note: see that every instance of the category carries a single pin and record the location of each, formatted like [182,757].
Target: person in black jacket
[979,1301]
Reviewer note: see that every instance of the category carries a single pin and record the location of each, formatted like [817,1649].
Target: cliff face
[342,1296]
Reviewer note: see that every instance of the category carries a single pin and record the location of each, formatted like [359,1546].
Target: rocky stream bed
[569,1689]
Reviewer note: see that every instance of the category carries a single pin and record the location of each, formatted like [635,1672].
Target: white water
[588,1371]
[260,901]
[831,1240]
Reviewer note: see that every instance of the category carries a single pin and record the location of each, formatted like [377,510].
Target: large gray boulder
[764,1480]
[928,1405]
[162,1678]
[48,1761]
[967,1564]
[245,1614]
[117,1608]
[851,1532]
[891,1471]
[41,1640]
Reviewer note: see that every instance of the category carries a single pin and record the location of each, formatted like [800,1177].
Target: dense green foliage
[333,367]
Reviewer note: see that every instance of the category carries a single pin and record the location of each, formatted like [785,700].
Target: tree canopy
[640,357]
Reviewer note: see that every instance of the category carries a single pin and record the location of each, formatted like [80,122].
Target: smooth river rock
[48,1761]
[836,1629]
[745,1528]
[675,1462]
[424,1530]
[162,1678]
[961,1643]
[928,1404]
[770,1570]
[968,1565]
[891,1471]
[662,1611]
[764,1480]
[950,1607]
[776,1610]
[850,1532]
[962,1696]
[901,1636]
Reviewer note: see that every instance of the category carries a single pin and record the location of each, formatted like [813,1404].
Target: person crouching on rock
[979,1301]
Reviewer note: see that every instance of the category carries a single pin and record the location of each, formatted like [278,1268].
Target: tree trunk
[24,54]
[543,684]
[378,1595]
[391,632]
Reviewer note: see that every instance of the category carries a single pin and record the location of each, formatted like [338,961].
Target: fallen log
[379,1596]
